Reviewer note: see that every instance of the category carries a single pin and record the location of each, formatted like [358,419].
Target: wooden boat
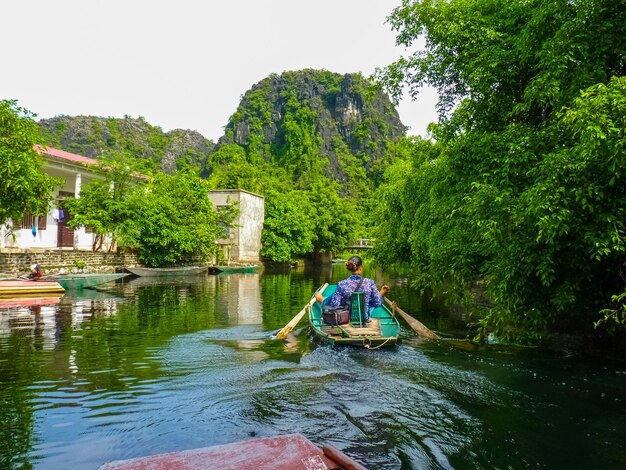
[233,269]
[382,331]
[290,452]
[164,272]
[12,287]
[81,281]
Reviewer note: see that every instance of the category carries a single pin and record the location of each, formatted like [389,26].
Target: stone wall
[52,260]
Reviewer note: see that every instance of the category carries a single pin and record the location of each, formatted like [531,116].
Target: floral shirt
[346,287]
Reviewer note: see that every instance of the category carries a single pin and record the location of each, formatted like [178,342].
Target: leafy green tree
[288,230]
[103,205]
[519,186]
[336,221]
[174,220]
[24,187]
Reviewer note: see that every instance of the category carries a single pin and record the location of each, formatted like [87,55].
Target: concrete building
[51,230]
[242,243]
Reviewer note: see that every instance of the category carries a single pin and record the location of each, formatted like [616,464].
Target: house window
[29,220]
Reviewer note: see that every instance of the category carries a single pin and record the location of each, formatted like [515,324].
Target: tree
[24,187]
[103,205]
[288,230]
[519,186]
[335,220]
[174,220]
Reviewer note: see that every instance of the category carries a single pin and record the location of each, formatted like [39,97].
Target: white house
[51,230]
[242,243]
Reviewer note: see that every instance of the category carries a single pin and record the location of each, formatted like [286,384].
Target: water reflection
[146,366]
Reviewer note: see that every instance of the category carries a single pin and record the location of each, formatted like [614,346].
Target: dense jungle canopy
[516,192]
[521,184]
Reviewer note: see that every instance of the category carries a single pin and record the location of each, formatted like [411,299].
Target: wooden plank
[372,330]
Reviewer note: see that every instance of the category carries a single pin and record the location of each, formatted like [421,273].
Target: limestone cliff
[93,136]
[332,116]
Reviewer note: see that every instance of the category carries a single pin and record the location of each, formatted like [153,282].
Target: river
[141,367]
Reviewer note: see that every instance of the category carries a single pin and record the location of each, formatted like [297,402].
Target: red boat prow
[290,452]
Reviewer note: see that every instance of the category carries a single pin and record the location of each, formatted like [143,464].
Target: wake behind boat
[383,330]
[164,272]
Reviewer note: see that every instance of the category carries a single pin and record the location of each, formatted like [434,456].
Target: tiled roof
[65,155]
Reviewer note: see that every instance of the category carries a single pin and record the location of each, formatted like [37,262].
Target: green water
[144,367]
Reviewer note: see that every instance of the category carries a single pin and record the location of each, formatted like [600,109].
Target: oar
[294,321]
[416,325]
[423,330]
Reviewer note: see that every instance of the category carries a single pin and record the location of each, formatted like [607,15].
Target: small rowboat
[382,331]
[290,452]
[165,272]
[233,269]
[81,281]
[24,287]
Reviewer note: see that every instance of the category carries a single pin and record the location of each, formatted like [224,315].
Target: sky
[185,64]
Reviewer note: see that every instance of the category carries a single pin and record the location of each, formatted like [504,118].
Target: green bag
[357,307]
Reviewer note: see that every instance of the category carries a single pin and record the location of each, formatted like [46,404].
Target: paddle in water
[294,321]
[422,330]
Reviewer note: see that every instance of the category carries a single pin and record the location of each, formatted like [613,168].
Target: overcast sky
[185,63]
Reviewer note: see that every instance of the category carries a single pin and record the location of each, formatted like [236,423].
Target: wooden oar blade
[292,324]
[294,321]
[417,326]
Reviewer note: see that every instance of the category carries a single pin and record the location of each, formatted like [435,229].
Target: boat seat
[373,329]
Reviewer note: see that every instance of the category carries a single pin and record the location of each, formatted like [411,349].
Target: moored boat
[233,269]
[11,287]
[164,272]
[289,452]
[81,281]
[382,331]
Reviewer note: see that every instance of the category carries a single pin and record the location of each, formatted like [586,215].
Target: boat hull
[166,272]
[23,287]
[289,452]
[232,269]
[382,332]
[81,281]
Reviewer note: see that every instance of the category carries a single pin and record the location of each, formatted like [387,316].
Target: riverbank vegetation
[166,219]
[24,188]
[521,184]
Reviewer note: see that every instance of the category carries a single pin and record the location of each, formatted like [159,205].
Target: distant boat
[233,269]
[11,287]
[165,272]
[292,451]
[80,281]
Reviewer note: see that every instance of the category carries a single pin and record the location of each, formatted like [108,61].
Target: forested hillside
[307,118]
[94,136]
[314,143]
